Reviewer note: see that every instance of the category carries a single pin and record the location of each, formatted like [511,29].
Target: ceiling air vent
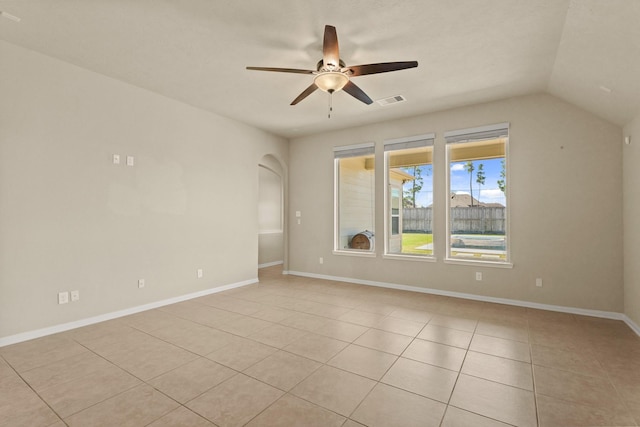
[391,100]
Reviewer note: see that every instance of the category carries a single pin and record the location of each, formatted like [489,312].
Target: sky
[459,181]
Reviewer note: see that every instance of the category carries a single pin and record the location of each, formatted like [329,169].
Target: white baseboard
[572,310]
[270,264]
[634,326]
[38,333]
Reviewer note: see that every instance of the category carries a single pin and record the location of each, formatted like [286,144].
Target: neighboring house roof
[463,200]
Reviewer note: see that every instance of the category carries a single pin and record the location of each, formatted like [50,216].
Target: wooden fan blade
[281,70]
[308,91]
[383,67]
[330,50]
[357,93]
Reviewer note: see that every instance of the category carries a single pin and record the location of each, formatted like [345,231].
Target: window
[477,223]
[409,183]
[355,198]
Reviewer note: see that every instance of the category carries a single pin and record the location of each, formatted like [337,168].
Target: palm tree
[470,168]
[480,177]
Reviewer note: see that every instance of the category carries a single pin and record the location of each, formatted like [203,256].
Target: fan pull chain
[330,103]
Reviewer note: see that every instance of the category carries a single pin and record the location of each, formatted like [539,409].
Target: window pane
[410,183]
[356,203]
[478,202]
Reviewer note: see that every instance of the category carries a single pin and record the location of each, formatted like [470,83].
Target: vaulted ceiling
[584,51]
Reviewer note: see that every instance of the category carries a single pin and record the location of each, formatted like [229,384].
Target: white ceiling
[468,51]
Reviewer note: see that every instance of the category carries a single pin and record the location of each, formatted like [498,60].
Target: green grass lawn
[410,241]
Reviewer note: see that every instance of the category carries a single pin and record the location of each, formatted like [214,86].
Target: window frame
[476,134]
[341,152]
[400,144]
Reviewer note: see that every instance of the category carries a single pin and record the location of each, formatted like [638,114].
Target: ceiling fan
[332,74]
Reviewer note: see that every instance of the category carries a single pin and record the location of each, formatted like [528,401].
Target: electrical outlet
[140,283]
[130,161]
[200,273]
[478,275]
[321,260]
[539,282]
[75,296]
[63,297]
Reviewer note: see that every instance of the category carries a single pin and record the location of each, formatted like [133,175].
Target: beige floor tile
[334,389]
[400,326]
[292,411]
[363,318]
[192,379]
[498,369]
[101,329]
[150,320]
[493,400]
[455,417]
[283,370]
[384,341]
[38,352]
[316,347]
[20,406]
[151,359]
[244,326]
[448,336]
[351,423]
[505,330]
[341,330]
[436,354]
[304,321]
[454,322]
[426,380]
[209,316]
[576,388]
[235,402]
[235,305]
[363,361]
[389,406]
[241,353]
[411,314]
[582,363]
[554,412]
[69,397]
[326,310]
[65,370]
[278,336]
[181,417]
[273,314]
[194,337]
[138,406]
[510,349]
[5,369]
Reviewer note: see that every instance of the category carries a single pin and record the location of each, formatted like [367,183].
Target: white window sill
[367,254]
[495,264]
[406,257]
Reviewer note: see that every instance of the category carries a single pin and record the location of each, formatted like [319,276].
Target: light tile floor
[293,351]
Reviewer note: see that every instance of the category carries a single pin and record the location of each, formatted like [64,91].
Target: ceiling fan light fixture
[331,81]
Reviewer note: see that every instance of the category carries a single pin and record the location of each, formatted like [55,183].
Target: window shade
[409,142]
[354,150]
[477,134]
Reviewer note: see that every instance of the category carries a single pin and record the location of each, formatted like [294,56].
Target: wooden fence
[475,220]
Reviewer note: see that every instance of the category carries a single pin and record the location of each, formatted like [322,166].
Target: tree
[502,185]
[470,168]
[480,178]
[409,198]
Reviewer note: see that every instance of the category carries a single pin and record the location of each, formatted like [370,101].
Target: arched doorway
[271,212]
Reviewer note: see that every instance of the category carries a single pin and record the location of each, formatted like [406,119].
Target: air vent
[391,100]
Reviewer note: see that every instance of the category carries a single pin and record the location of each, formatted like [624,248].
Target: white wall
[631,196]
[566,205]
[71,220]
